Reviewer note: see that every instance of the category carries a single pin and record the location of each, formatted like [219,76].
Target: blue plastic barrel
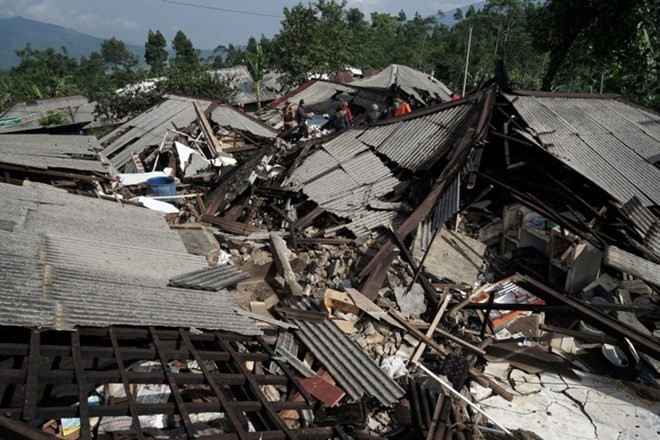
[161,187]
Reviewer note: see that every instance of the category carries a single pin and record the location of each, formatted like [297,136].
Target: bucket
[162,187]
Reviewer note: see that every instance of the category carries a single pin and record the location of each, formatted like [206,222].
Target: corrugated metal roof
[346,188]
[632,264]
[646,223]
[608,141]
[210,278]
[348,364]
[417,143]
[423,87]
[243,84]
[72,260]
[72,109]
[344,175]
[447,206]
[372,221]
[149,128]
[227,116]
[315,93]
[43,151]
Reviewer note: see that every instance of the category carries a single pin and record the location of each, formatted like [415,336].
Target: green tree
[185,54]
[590,40]
[257,65]
[40,74]
[300,50]
[383,40]
[116,56]
[155,52]
[358,29]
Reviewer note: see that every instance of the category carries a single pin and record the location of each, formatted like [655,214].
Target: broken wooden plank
[474,373]
[436,320]
[320,240]
[280,252]
[267,320]
[288,357]
[229,225]
[206,128]
[370,308]
[308,218]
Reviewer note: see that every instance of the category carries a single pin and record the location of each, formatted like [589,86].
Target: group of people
[342,118]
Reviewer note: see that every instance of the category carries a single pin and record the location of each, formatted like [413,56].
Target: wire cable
[233,11]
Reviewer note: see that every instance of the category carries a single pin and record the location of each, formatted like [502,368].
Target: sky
[130,20]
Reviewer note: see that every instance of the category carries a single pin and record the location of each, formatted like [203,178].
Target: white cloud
[57,12]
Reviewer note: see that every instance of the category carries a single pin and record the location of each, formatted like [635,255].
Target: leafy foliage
[257,65]
[589,41]
[185,53]
[314,39]
[155,52]
[116,55]
[52,118]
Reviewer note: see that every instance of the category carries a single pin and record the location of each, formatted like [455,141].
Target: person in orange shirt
[404,107]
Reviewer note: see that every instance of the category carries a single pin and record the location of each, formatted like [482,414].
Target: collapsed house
[71,161]
[245,89]
[417,87]
[480,268]
[68,114]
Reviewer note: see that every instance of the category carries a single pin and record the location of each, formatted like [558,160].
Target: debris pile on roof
[480,268]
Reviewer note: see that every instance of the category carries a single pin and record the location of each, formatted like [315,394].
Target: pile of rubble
[483,268]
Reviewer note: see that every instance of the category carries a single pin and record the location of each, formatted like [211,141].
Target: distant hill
[16,32]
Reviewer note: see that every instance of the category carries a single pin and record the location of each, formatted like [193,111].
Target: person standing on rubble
[337,121]
[288,115]
[373,114]
[348,114]
[301,114]
[404,107]
[301,118]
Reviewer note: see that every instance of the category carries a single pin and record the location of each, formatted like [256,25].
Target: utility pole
[467,62]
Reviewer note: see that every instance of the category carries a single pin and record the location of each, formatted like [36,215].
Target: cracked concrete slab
[524,383]
[554,406]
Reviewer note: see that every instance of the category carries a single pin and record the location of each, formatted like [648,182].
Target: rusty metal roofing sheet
[413,82]
[348,364]
[608,141]
[72,260]
[60,152]
[227,116]
[149,128]
[210,278]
